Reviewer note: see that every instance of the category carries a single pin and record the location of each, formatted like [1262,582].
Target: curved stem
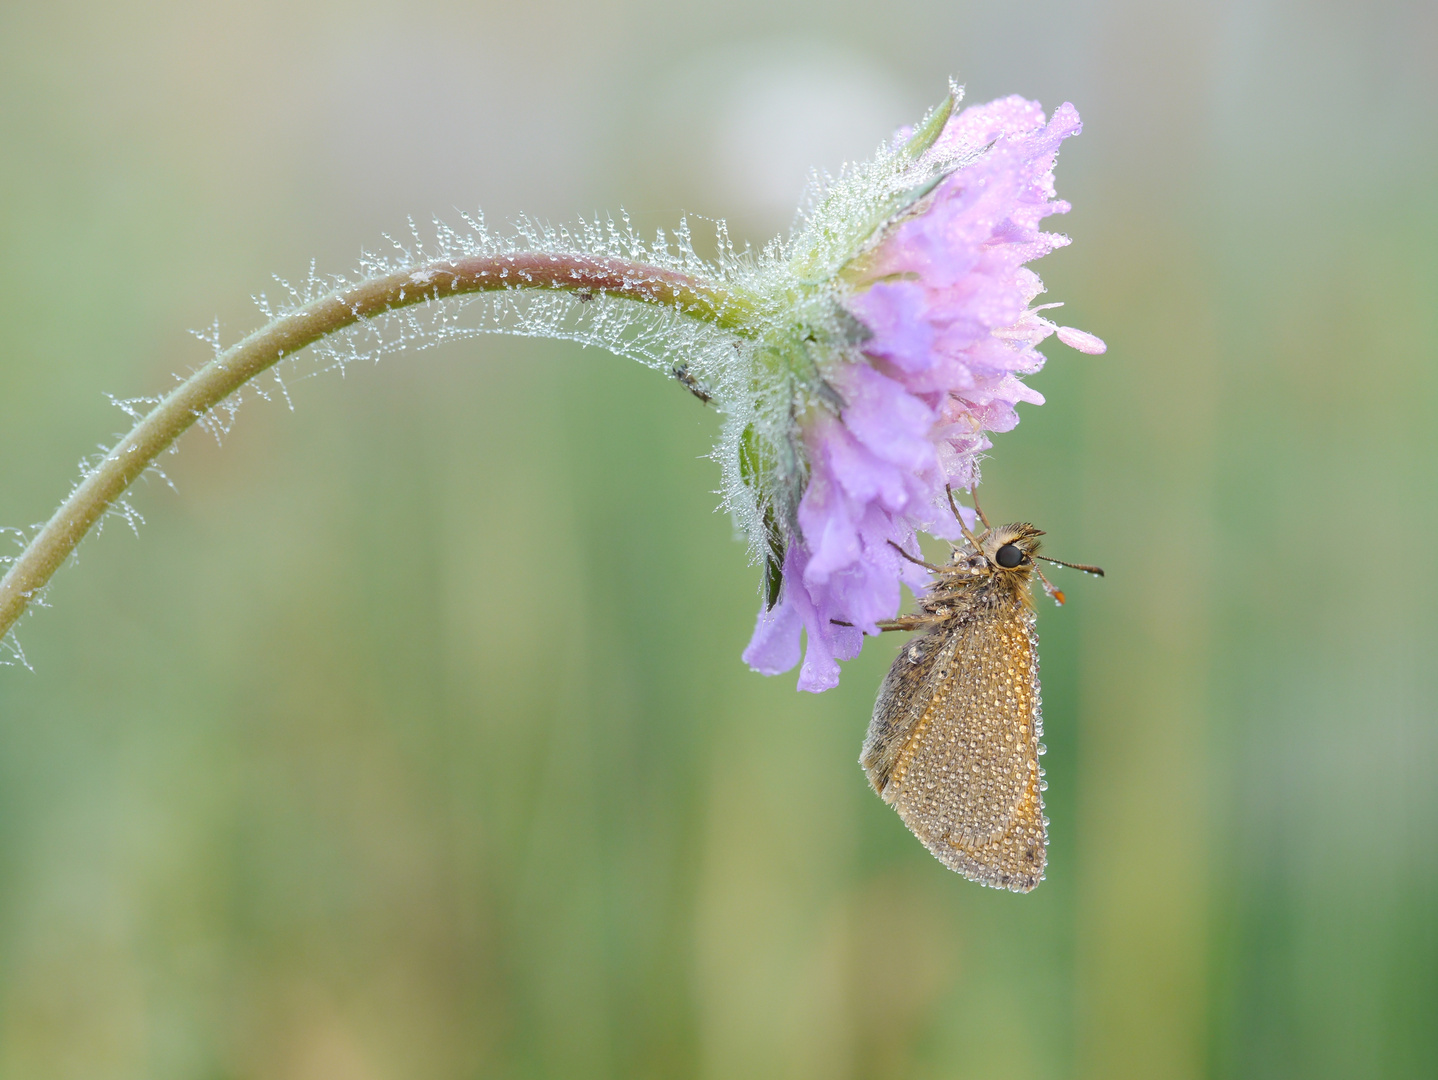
[232,368]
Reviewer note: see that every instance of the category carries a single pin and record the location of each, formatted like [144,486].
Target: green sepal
[749,471]
[928,132]
[773,561]
[748,457]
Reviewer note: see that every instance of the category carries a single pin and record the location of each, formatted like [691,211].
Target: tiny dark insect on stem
[681,372]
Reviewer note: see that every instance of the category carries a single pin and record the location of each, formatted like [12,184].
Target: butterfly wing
[900,706]
[954,746]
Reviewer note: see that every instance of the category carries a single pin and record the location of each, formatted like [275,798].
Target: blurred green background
[411,739]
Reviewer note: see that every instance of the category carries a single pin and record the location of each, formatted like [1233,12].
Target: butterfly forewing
[954,745]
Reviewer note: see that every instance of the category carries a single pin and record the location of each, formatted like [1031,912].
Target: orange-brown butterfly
[953,745]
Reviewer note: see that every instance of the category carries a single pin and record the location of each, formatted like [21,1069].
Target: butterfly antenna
[968,535]
[1073,565]
[974,494]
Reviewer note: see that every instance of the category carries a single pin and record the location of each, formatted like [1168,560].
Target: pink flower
[944,295]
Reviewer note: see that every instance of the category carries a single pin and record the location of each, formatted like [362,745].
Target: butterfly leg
[917,561]
[906,622]
[911,622]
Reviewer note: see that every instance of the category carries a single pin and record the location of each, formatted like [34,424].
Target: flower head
[920,256]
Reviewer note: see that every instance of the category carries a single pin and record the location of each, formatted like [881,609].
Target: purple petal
[885,417]
[1083,342]
[896,313]
[774,648]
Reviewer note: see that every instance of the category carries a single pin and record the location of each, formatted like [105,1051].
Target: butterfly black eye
[1008,556]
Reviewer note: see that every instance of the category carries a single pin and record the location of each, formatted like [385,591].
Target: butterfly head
[1006,549]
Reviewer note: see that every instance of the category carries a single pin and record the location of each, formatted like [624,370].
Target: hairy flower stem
[286,335]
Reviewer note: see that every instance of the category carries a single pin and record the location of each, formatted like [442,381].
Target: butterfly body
[953,744]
